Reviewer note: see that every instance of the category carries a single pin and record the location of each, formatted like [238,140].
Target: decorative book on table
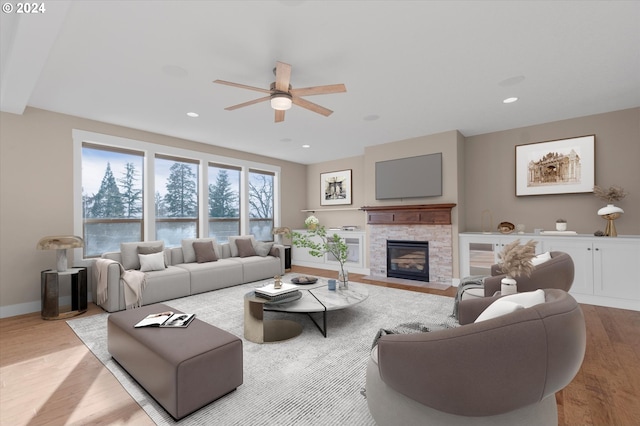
[166,319]
[270,292]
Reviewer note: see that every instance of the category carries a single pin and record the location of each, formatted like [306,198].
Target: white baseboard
[31,307]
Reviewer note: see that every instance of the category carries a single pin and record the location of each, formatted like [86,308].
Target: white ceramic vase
[561,226]
[508,286]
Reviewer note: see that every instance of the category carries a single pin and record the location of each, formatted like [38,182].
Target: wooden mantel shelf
[417,214]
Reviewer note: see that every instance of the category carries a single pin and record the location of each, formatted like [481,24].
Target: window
[261,204]
[128,190]
[176,199]
[224,201]
[111,198]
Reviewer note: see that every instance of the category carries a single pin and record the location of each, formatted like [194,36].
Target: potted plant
[515,260]
[561,225]
[332,244]
[311,222]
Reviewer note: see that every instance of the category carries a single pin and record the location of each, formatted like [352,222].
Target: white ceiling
[421,67]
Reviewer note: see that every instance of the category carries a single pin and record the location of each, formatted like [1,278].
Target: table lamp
[60,243]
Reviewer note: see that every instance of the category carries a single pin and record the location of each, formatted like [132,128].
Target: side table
[287,258]
[49,281]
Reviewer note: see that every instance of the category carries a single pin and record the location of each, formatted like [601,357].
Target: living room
[478,174]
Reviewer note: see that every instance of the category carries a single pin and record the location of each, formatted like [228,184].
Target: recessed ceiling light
[512,81]
[193,114]
[509,100]
[175,71]
[306,146]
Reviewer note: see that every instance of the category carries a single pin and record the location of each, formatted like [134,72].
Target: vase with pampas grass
[515,260]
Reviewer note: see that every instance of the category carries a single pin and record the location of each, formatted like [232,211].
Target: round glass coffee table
[316,298]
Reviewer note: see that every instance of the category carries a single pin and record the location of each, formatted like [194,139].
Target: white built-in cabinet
[355,259]
[607,270]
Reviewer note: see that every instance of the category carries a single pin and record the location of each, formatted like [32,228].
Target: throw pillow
[129,252]
[541,258]
[526,299]
[262,248]
[151,250]
[204,251]
[274,251]
[497,309]
[232,243]
[245,248]
[151,262]
[188,253]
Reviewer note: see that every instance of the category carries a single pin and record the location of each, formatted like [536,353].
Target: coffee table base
[259,330]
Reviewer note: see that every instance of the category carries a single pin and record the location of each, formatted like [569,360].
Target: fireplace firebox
[408,259]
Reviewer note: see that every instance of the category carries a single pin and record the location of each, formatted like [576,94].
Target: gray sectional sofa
[183,275]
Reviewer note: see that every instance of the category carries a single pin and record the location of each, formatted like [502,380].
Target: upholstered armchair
[556,272]
[504,370]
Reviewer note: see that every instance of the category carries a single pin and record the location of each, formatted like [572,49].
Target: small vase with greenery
[331,244]
[515,260]
[561,225]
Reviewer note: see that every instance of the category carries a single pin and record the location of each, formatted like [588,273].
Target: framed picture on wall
[563,166]
[335,188]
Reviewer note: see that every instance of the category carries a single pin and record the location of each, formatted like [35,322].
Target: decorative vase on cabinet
[508,286]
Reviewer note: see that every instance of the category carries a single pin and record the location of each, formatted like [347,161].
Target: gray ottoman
[184,369]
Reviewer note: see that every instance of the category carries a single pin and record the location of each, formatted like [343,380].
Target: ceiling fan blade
[283,76]
[311,106]
[279,115]
[244,104]
[242,86]
[319,90]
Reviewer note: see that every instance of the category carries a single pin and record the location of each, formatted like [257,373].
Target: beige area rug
[309,380]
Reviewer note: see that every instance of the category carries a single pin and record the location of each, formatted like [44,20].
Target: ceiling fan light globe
[281,102]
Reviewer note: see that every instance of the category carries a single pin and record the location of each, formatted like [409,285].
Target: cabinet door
[582,255]
[354,249]
[617,268]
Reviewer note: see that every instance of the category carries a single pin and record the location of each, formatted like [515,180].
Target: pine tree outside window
[176,199]
[112,198]
[224,201]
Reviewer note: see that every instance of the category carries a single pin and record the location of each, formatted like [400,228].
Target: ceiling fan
[282,95]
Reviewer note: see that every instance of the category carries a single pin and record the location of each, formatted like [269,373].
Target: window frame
[150,150]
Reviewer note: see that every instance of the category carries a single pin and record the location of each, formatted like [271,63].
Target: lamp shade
[60,243]
[281,101]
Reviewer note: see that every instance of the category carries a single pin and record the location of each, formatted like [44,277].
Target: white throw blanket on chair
[133,283]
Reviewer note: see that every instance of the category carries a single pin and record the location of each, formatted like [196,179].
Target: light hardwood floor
[48,377]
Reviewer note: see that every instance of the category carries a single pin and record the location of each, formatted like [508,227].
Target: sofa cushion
[263,249]
[497,309]
[232,243]
[152,262]
[204,251]
[245,247]
[129,252]
[189,253]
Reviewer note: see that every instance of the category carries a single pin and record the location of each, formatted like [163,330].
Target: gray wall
[490,175]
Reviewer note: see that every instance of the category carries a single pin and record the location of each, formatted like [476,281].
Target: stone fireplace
[430,223]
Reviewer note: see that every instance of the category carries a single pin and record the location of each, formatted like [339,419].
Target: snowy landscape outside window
[112,198]
[224,202]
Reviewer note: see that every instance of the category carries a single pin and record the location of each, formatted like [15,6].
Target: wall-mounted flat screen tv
[411,177]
